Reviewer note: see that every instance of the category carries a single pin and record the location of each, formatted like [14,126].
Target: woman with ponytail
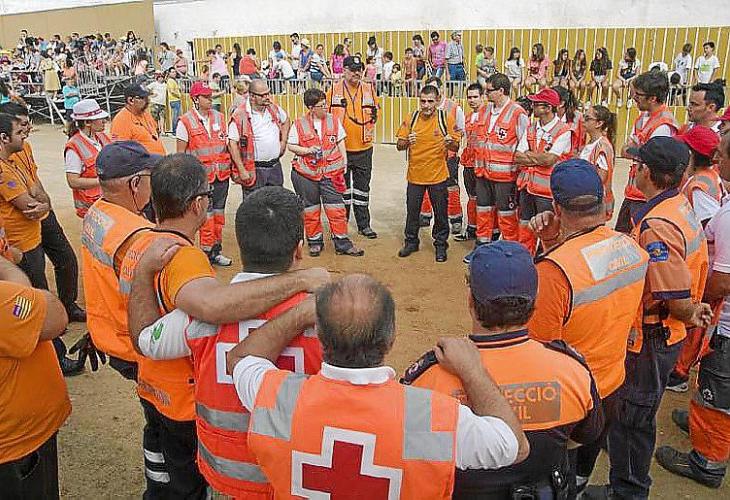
[600,126]
[568,113]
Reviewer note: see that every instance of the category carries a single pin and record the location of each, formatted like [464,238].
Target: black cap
[353,63]
[662,153]
[135,90]
[123,159]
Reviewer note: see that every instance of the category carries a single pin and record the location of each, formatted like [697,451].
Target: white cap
[88,109]
[305,41]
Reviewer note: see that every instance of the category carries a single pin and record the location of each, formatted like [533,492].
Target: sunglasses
[208,193]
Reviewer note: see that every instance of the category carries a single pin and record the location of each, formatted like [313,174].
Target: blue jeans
[437,72]
[176,107]
[456,72]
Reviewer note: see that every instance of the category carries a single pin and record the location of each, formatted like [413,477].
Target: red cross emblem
[344,467]
[501,133]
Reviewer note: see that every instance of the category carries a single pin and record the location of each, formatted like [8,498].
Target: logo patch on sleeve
[22,308]
[658,251]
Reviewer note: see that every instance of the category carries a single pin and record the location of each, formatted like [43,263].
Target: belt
[266,164]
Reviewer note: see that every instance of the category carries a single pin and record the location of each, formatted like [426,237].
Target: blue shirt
[71,96]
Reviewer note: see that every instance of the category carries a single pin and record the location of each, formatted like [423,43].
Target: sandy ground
[99,446]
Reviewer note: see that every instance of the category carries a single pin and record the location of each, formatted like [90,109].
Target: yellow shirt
[173,90]
[427,157]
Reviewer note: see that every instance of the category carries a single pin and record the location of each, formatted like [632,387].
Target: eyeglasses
[320,106]
[208,193]
[266,94]
[639,94]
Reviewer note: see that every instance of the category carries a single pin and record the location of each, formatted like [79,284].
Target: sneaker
[456,228]
[441,254]
[76,314]
[679,463]
[407,250]
[681,419]
[467,258]
[677,383]
[220,260]
[470,234]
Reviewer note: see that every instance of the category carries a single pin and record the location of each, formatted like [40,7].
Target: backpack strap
[419,368]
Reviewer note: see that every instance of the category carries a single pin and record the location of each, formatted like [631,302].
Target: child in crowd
[485,64]
[387,72]
[158,99]
[71,95]
[215,85]
[337,61]
[410,72]
[707,64]
[396,80]
[370,70]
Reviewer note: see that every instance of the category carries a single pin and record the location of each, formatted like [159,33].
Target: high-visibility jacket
[605,271]
[451,109]
[314,434]
[167,384]
[337,105]
[222,422]
[706,180]
[211,149]
[242,118]
[644,126]
[538,180]
[501,144]
[476,134]
[106,227]
[577,127]
[675,210]
[605,148]
[87,152]
[330,163]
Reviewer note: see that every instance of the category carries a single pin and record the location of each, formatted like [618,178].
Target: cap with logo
[662,154]
[123,159]
[200,88]
[88,109]
[353,63]
[502,269]
[548,96]
[135,90]
[701,139]
[576,185]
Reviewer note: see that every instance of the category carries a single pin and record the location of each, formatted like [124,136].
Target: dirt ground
[99,446]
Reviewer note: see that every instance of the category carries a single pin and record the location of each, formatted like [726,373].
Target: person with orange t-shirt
[552,393]
[34,402]
[428,137]
[135,123]
[270,233]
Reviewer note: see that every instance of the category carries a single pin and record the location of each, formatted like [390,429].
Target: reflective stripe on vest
[95,228]
[87,153]
[367,105]
[209,148]
[242,471]
[331,161]
[705,182]
[228,420]
[276,422]
[538,182]
[600,290]
[419,441]
[501,144]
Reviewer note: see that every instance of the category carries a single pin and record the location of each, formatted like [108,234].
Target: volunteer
[600,126]
[135,123]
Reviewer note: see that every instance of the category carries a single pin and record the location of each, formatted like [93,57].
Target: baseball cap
[502,269]
[576,178]
[200,88]
[662,153]
[135,90]
[122,159]
[725,116]
[548,96]
[701,139]
[353,63]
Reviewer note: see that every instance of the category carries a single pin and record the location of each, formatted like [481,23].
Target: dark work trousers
[267,174]
[59,252]
[632,436]
[531,205]
[624,224]
[34,476]
[170,450]
[357,179]
[438,194]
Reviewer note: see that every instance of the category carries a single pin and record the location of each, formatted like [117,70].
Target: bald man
[353,409]
[257,135]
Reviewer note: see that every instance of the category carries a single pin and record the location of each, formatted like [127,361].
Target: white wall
[178,21]
[20,6]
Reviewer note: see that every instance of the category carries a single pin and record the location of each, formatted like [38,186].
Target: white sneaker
[220,260]
[588,104]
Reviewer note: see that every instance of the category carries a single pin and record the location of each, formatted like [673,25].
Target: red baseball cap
[702,139]
[726,116]
[200,88]
[548,96]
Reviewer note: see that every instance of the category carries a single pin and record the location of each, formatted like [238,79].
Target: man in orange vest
[546,142]
[496,172]
[356,104]
[708,419]
[454,111]
[257,134]
[591,282]
[201,132]
[406,442]
[649,91]
[552,393]
[667,228]
[270,233]
[318,174]
[427,138]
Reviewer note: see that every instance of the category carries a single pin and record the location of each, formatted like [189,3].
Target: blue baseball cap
[573,179]
[502,269]
[124,159]
[662,154]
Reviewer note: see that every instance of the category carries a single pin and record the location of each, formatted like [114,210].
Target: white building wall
[22,6]
[178,21]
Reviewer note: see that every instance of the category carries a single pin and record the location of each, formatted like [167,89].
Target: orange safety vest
[605,270]
[211,149]
[338,107]
[313,435]
[706,180]
[605,148]
[644,127]
[87,152]
[676,210]
[105,228]
[538,179]
[330,163]
[242,118]
[451,108]
[476,134]
[501,144]
[222,422]
[167,384]
[578,139]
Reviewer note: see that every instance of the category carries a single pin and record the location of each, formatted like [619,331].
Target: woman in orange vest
[318,174]
[86,137]
[600,125]
[569,114]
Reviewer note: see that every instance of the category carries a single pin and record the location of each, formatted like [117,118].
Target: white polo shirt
[561,145]
[718,232]
[266,141]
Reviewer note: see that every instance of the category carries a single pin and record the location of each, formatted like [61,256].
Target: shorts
[157,111]
[599,78]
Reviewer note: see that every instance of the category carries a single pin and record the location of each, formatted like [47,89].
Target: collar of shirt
[547,128]
[650,204]
[503,339]
[244,276]
[92,140]
[358,376]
